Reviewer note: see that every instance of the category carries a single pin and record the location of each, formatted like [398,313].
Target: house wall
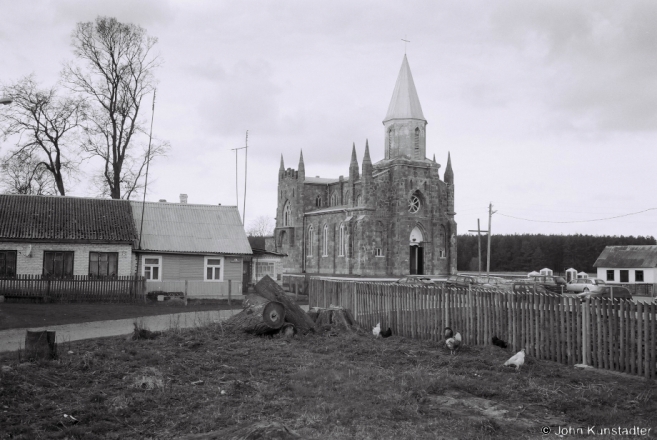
[176,268]
[33,264]
[649,274]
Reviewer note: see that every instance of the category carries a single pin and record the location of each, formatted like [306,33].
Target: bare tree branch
[261,226]
[116,73]
[46,129]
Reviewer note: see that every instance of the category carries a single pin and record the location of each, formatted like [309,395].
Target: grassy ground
[329,385]
[25,315]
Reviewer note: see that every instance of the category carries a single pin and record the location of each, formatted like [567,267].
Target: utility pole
[478,231]
[490,216]
[245,148]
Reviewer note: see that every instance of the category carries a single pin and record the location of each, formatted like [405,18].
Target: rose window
[414,204]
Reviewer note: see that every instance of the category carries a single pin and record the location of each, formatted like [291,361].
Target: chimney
[183,198]
[163,200]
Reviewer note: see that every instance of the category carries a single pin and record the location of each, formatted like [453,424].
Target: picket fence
[611,335]
[79,288]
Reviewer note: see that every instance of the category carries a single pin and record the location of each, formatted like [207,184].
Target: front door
[417,260]
[246,275]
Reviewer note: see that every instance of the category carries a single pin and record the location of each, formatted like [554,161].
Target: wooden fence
[613,335]
[79,288]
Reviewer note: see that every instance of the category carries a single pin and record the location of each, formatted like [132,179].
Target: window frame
[108,276]
[64,275]
[341,240]
[221,266]
[158,265]
[311,239]
[611,275]
[636,276]
[287,214]
[5,253]
[325,241]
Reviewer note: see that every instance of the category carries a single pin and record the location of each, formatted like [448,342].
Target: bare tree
[116,73]
[21,173]
[261,226]
[46,128]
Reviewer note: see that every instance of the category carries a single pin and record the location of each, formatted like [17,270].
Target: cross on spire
[405,41]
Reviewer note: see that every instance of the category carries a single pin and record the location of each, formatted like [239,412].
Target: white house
[629,265]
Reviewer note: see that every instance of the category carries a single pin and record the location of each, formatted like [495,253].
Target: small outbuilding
[571,274]
[547,272]
[634,266]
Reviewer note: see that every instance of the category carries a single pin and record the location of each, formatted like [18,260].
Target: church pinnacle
[448,177]
[405,103]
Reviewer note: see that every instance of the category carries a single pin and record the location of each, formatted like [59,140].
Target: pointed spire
[434,157]
[353,166]
[366,157]
[354,161]
[405,103]
[302,168]
[282,167]
[449,174]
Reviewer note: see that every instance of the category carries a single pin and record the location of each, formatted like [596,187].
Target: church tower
[405,126]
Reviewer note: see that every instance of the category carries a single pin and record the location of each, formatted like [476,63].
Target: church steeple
[405,126]
[302,168]
[449,174]
[353,166]
[281,169]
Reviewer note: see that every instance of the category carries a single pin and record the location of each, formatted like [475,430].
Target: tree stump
[259,319]
[334,315]
[40,345]
[269,289]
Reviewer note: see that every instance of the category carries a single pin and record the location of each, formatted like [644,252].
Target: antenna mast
[148,162]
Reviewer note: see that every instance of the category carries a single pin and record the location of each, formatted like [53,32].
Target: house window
[103,264]
[638,276]
[610,275]
[8,264]
[287,214]
[624,276]
[265,268]
[152,268]
[58,264]
[325,241]
[213,270]
[311,239]
[342,237]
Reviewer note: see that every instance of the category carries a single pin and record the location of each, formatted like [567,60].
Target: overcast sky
[549,108]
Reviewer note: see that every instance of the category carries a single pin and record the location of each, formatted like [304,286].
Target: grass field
[329,385]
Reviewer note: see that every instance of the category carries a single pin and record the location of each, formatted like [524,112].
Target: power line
[580,221]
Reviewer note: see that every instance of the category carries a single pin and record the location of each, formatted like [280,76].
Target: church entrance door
[416,252]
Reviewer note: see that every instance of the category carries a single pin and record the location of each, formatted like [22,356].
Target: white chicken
[517,360]
[452,342]
[376,331]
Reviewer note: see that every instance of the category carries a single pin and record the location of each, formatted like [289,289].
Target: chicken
[376,331]
[500,343]
[454,343]
[449,333]
[516,360]
[386,333]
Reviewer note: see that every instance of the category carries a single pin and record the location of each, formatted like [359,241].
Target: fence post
[230,291]
[471,314]
[585,333]
[186,292]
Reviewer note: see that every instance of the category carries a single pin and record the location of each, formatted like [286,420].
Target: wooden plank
[639,339]
[653,341]
[632,335]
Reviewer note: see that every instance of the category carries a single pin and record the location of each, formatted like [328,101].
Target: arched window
[281,239]
[311,240]
[347,198]
[318,201]
[325,241]
[334,198]
[417,141]
[379,250]
[442,244]
[359,200]
[287,214]
[342,240]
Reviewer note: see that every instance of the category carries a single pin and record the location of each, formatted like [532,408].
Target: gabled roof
[188,228]
[405,103]
[322,180]
[628,256]
[65,219]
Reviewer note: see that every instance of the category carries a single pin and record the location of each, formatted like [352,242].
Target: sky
[548,108]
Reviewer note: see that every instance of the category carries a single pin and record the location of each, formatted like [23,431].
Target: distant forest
[524,253]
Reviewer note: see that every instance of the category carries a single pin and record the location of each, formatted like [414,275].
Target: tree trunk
[269,289]
[338,316]
[259,319]
[40,345]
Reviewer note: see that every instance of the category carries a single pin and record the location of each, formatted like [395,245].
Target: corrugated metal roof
[27,217]
[187,228]
[322,180]
[628,256]
[405,103]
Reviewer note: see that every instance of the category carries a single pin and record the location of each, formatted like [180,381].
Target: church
[391,218]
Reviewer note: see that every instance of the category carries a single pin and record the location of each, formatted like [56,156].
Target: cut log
[259,319]
[40,345]
[334,316]
[269,289]
[257,431]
